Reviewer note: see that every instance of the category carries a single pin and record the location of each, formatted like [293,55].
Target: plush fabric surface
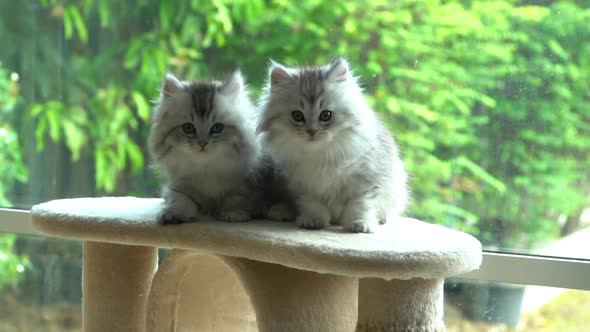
[116,281]
[402,249]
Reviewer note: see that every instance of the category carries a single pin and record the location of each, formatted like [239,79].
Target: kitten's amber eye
[188,128]
[325,115]
[216,128]
[298,116]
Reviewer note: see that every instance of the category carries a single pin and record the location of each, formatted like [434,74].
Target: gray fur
[206,174]
[343,171]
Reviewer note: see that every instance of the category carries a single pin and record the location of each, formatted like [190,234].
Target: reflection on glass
[488,100]
[40,290]
[41,284]
[472,306]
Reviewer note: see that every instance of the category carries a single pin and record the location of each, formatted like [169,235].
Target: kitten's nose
[203,143]
[311,131]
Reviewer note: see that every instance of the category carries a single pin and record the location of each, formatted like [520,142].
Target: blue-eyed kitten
[203,138]
[341,163]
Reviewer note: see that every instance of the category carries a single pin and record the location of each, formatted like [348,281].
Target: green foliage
[12,167]
[488,99]
[537,134]
[11,266]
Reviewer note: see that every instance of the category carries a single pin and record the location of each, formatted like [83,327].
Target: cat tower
[255,276]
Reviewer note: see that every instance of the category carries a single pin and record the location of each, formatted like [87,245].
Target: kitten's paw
[312,213]
[235,216]
[168,217]
[361,226]
[311,222]
[280,212]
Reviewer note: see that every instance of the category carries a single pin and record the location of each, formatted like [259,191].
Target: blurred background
[488,100]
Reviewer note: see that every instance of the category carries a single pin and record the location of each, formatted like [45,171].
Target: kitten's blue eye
[325,115]
[188,128]
[216,128]
[298,116]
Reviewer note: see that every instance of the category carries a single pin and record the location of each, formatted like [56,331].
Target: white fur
[332,174]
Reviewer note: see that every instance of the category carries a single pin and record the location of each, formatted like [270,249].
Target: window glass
[40,284]
[40,290]
[488,100]
[475,306]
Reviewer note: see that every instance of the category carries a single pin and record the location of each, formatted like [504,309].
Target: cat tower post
[255,276]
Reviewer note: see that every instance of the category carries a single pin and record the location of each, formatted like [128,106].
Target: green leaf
[75,138]
[392,105]
[68,27]
[533,13]
[132,56]
[36,110]
[21,173]
[40,133]
[78,23]
[467,216]
[143,107]
[223,16]
[100,165]
[350,26]
[104,14]
[481,173]
[54,123]
[135,156]
[558,50]
[165,14]
[161,59]
[422,111]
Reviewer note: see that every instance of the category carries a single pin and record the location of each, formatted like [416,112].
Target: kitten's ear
[279,75]
[338,71]
[233,85]
[171,85]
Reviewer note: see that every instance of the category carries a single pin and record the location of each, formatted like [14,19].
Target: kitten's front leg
[360,216]
[281,212]
[179,208]
[236,208]
[313,214]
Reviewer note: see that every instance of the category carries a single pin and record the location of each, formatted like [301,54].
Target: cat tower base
[255,276]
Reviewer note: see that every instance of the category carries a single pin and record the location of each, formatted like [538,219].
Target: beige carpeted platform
[255,276]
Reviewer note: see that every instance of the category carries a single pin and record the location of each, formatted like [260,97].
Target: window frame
[496,266]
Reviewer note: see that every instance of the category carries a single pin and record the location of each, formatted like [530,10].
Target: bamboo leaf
[481,173]
[104,14]
[78,23]
[68,27]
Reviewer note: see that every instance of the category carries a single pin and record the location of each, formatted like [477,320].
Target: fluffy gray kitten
[203,138]
[341,163]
